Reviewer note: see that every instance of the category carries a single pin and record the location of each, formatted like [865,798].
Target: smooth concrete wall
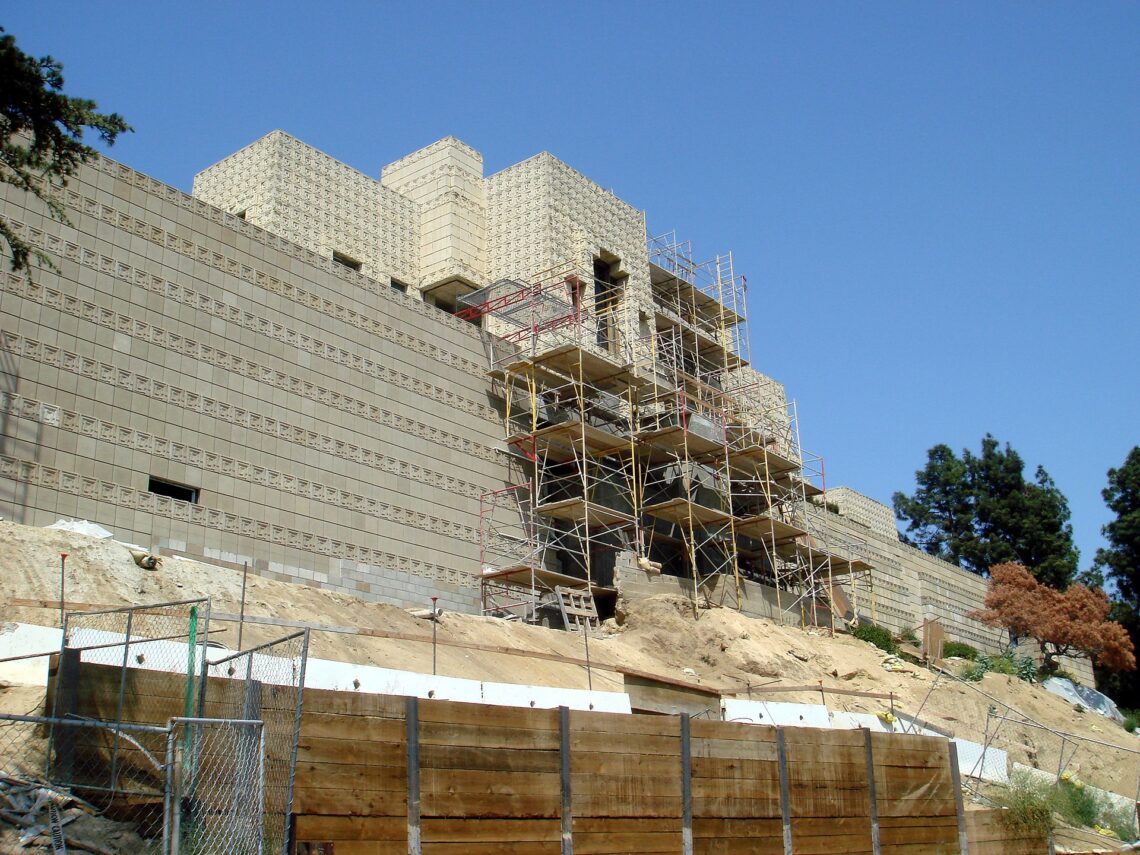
[339,432]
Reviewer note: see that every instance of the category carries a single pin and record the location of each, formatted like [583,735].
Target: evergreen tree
[41,135]
[1119,564]
[977,511]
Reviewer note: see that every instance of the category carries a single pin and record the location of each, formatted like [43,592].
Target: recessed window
[175,491]
[397,285]
[351,263]
[240,214]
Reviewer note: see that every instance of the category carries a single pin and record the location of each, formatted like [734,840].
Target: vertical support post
[567,810]
[872,794]
[297,729]
[62,586]
[686,787]
[241,613]
[434,621]
[122,695]
[785,798]
[61,750]
[959,807]
[412,725]
[167,790]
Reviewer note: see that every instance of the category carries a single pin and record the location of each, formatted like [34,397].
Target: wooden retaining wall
[381,774]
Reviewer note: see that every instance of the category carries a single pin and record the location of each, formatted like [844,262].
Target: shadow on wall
[13,445]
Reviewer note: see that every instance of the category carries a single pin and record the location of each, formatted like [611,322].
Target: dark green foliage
[876,635]
[1119,565]
[979,510]
[1008,663]
[41,133]
[1077,804]
[1028,804]
[959,649]
[1131,720]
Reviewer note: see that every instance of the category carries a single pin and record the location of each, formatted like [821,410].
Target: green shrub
[1118,819]
[909,636]
[959,649]
[1029,804]
[1076,803]
[1131,720]
[1009,663]
[876,635]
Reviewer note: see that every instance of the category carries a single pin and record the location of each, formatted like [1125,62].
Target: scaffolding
[638,434]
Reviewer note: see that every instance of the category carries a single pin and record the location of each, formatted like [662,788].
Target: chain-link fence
[216,795]
[192,787]
[265,683]
[168,638]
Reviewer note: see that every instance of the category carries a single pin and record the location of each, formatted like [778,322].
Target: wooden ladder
[578,608]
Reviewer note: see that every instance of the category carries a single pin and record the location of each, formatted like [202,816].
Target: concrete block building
[431,383]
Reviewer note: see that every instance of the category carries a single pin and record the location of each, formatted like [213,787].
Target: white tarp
[81,527]
[1088,698]
[976,761]
[775,713]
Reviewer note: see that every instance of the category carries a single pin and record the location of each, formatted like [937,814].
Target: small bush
[1131,720]
[1009,663]
[876,635]
[1029,804]
[1118,819]
[1076,804]
[909,636]
[959,649]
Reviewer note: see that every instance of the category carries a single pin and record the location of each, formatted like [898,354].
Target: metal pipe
[434,621]
[241,612]
[62,575]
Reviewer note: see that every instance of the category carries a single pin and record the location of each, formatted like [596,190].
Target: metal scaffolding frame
[641,430]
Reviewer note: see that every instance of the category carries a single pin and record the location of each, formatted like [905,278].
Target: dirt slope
[661,635]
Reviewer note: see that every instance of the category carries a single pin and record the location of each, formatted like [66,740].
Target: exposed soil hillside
[660,635]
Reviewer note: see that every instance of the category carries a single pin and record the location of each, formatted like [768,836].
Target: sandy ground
[718,647]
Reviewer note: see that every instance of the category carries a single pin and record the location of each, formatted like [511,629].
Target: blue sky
[937,205]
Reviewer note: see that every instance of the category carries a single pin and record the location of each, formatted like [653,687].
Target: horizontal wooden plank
[727,827]
[585,804]
[487,715]
[738,846]
[488,782]
[703,728]
[928,833]
[626,787]
[950,848]
[735,769]
[474,735]
[609,763]
[624,725]
[480,830]
[755,788]
[337,776]
[636,743]
[796,737]
[352,727]
[616,843]
[342,828]
[733,748]
[918,807]
[475,757]
[350,802]
[504,805]
[530,847]
[353,704]
[625,825]
[728,806]
[320,750]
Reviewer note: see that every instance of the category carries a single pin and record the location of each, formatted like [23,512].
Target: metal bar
[412,725]
[567,811]
[872,795]
[686,788]
[122,694]
[785,799]
[959,806]
[167,800]
[143,610]
[297,734]
[82,722]
[267,644]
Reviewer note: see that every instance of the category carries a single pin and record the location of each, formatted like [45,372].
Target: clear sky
[937,205]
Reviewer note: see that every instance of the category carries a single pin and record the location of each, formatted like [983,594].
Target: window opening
[175,491]
[342,259]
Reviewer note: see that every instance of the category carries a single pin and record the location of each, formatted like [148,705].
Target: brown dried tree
[1061,622]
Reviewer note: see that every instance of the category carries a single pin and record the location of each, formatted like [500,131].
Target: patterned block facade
[246,344]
